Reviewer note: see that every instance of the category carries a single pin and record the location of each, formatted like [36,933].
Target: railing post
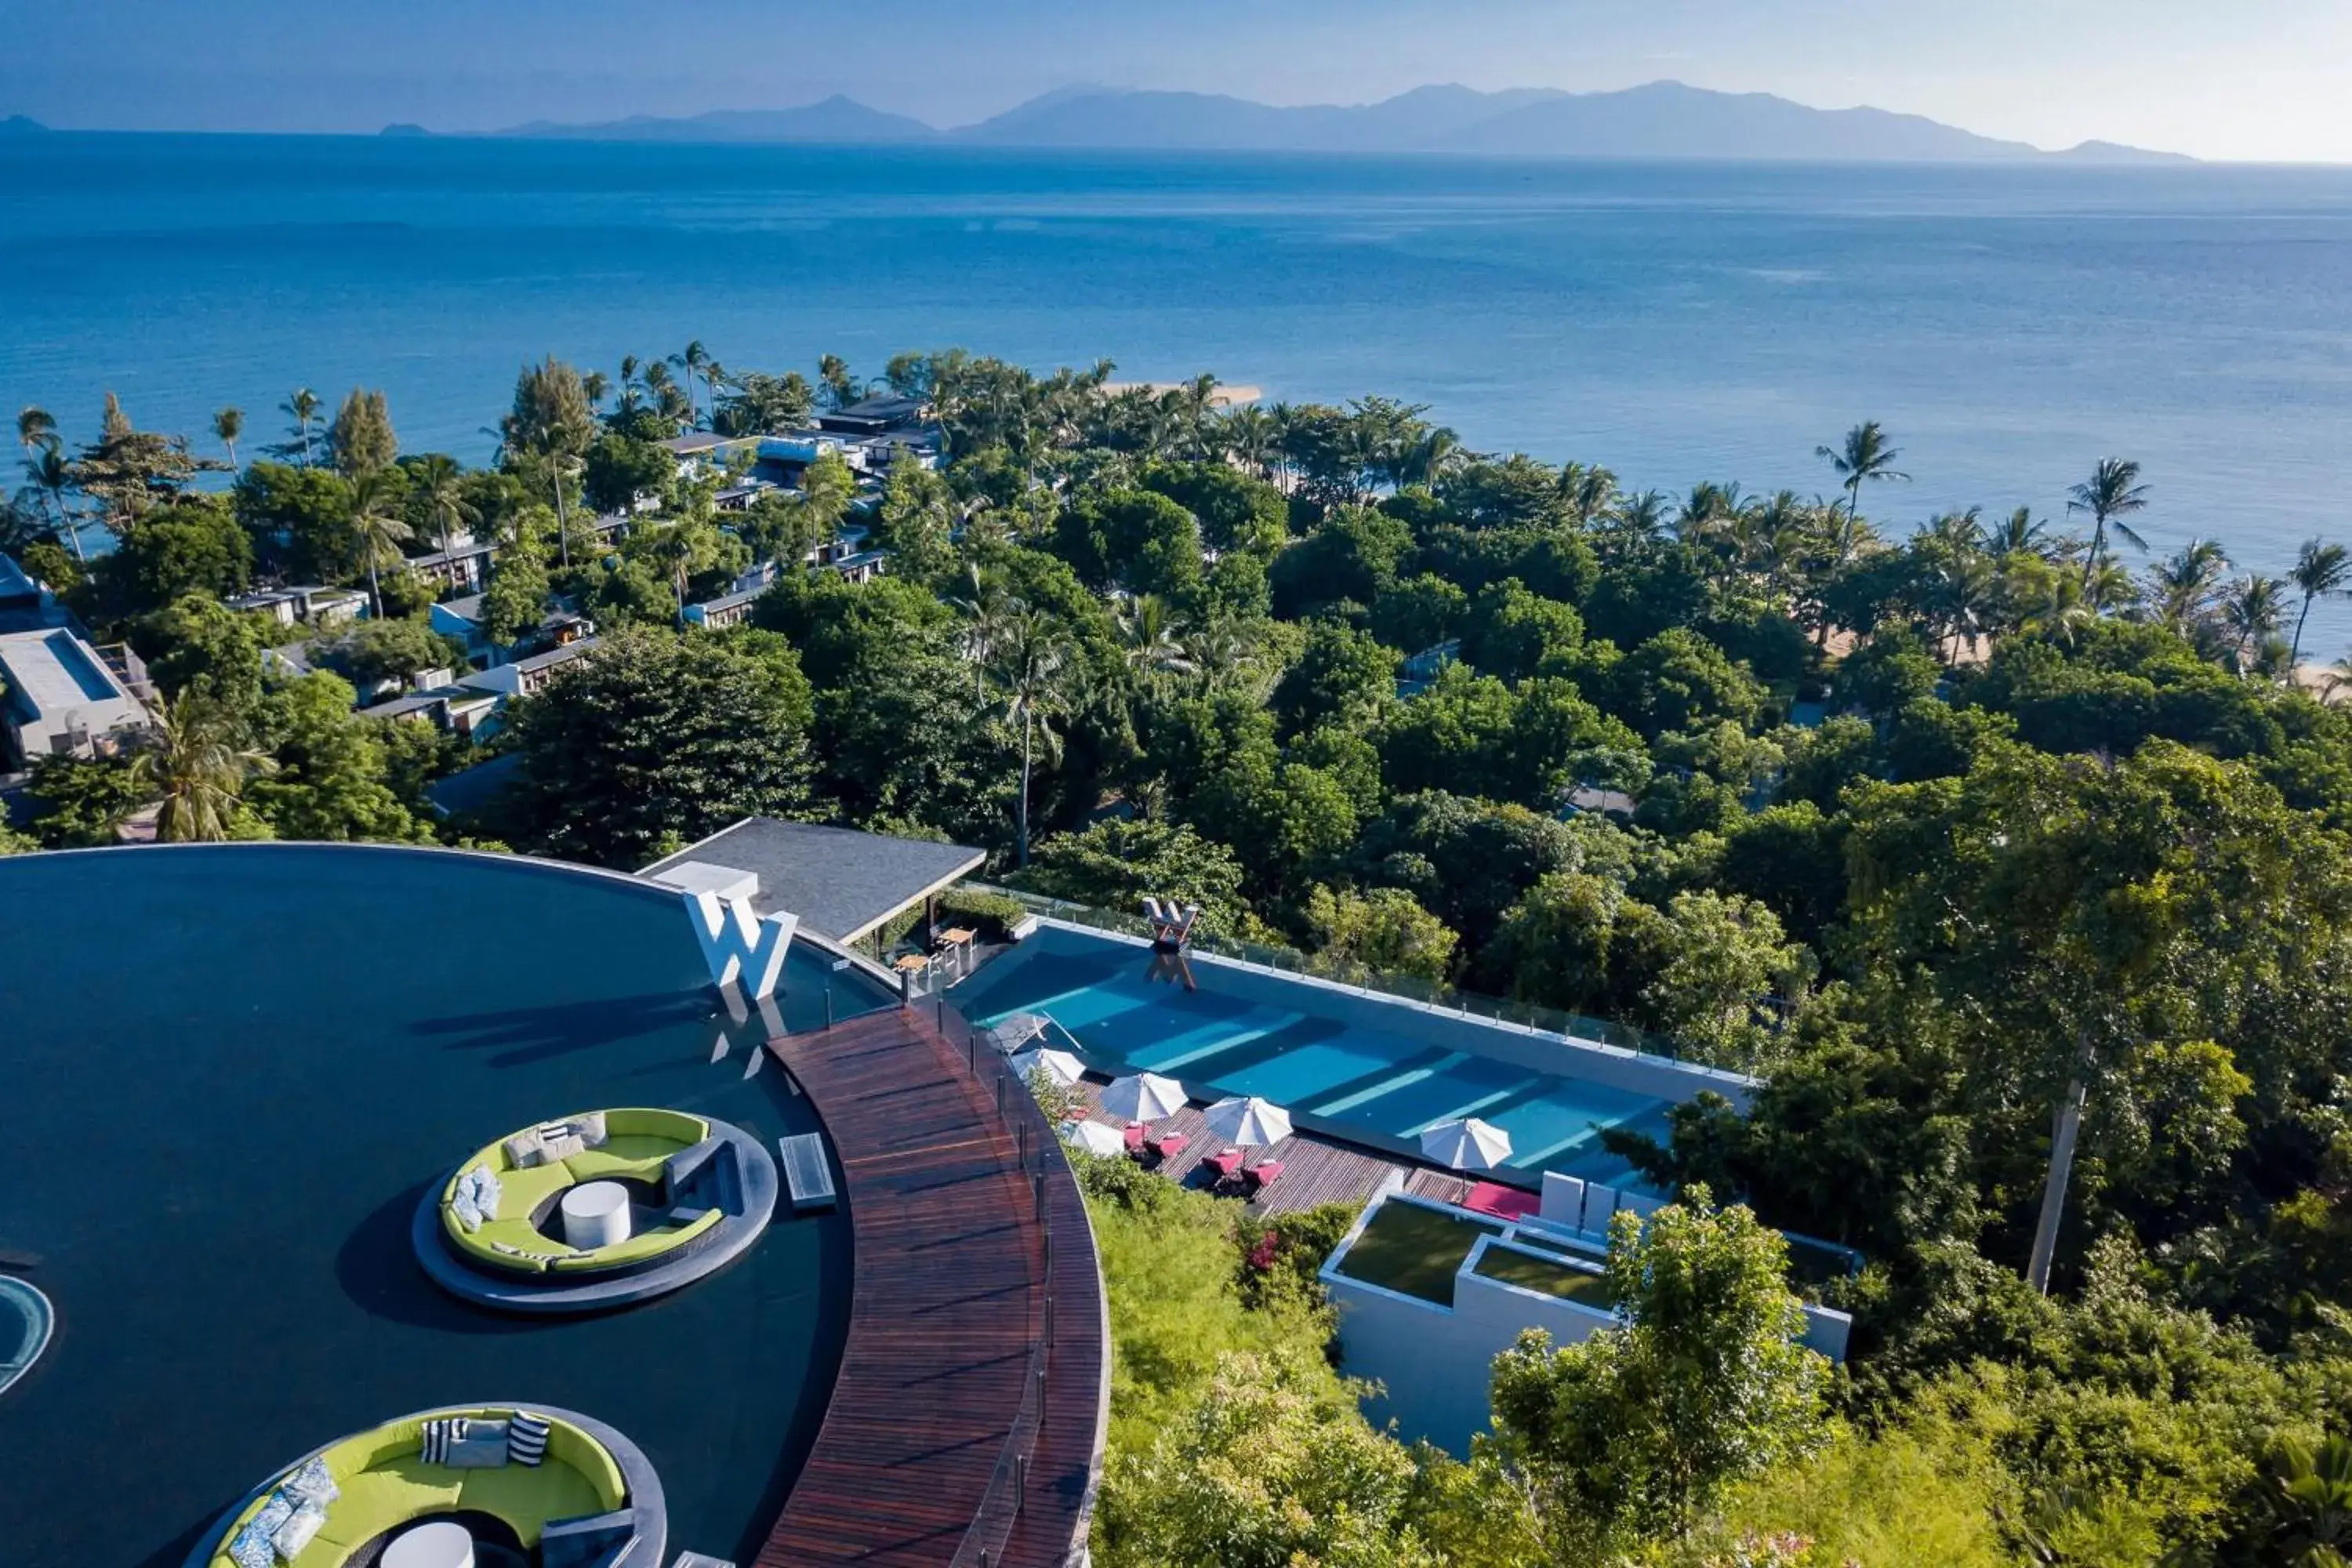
[828,1004]
[1020,1482]
[941,1004]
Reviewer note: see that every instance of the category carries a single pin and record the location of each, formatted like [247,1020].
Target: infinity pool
[227,1073]
[1382,1082]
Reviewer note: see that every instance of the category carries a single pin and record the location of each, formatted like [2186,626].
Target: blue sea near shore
[1676,322]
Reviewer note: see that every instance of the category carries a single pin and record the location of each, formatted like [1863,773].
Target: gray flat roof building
[841,882]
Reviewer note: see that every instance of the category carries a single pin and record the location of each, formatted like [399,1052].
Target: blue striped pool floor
[1342,1075]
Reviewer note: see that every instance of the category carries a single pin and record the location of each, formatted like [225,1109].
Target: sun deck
[953,1192]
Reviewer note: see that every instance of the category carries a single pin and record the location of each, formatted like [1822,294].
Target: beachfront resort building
[59,697]
[354,1260]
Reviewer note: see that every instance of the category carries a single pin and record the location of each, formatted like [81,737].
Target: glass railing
[1041,1163]
[1505,1012]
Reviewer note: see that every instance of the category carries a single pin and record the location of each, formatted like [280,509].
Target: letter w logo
[741,948]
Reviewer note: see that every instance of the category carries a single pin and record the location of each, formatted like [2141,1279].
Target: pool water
[1388,1085]
[228,1074]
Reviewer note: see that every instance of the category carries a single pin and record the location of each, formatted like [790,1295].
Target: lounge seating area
[598,1209]
[553,1488]
[675,1174]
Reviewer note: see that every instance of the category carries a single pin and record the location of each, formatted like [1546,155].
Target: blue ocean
[1676,322]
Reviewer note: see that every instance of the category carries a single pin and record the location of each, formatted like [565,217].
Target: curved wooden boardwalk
[950,1264]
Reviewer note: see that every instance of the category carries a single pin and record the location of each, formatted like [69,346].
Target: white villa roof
[53,675]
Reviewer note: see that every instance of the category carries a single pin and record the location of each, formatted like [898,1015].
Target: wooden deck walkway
[950,1267]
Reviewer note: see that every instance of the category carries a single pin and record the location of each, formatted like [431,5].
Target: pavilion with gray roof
[842,883]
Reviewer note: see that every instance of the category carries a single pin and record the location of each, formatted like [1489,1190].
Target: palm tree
[227,425]
[377,531]
[301,407]
[2321,572]
[2019,533]
[987,609]
[198,763]
[629,383]
[2112,493]
[1032,663]
[1153,637]
[36,427]
[1587,492]
[694,360]
[52,473]
[436,479]
[2335,679]
[2251,610]
[2181,591]
[1865,457]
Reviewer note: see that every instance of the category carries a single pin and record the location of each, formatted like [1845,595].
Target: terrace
[236,1281]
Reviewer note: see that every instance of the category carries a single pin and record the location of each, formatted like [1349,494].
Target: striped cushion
[526,1438]
[440,1434]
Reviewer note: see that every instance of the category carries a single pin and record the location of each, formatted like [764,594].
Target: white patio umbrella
[1060,1066]
[1143,1096]
[1094,1137]
[1250,1122]
[1467,1145]
[1014,1030]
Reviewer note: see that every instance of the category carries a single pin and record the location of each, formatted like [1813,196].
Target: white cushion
[311,1483]
[463,1207]
[524,1149]
[296,1532]
[590,1129]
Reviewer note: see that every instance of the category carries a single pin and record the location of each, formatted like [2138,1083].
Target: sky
[2265,79]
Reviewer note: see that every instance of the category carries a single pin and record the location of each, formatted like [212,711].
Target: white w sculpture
[743,950]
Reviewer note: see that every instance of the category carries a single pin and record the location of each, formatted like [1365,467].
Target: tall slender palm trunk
[2065,1129]
[1028,727]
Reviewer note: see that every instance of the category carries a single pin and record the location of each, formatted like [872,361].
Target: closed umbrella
[1466,1145]
[1060,1066]
[1094,1137]
[1249,1123]
[1143,1096]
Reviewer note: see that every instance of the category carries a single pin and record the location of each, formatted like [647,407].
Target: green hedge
[992,914]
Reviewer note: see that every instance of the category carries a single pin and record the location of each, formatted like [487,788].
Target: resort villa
[330,1267]
[59,697]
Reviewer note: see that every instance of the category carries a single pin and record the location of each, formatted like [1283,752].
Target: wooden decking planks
[948,1265]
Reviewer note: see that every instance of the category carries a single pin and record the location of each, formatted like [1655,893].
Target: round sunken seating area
[668,1197]
[555,1485]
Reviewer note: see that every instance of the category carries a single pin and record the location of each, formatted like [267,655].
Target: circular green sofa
[701,1191]
[590,1475]
[638,1145]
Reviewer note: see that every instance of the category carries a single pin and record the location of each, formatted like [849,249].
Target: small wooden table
[958,941]
[910,963]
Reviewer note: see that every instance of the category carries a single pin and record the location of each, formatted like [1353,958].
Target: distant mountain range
[17,125]
[1664,120]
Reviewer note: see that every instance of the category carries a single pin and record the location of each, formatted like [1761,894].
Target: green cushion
[522,1192]
[638,1121]
[376,1499]
[528,1496]
[650,1244]
[568,1445]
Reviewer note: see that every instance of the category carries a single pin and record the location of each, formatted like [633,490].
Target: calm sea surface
[1676,322]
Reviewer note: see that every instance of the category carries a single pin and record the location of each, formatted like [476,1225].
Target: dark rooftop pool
[227,1073]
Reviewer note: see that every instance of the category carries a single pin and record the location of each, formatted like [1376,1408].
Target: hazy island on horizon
[1661,120]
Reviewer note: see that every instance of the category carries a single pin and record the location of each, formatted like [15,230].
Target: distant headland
[1663,119]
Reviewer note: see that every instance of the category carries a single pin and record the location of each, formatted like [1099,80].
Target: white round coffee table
[440,1544]
[596,1214]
